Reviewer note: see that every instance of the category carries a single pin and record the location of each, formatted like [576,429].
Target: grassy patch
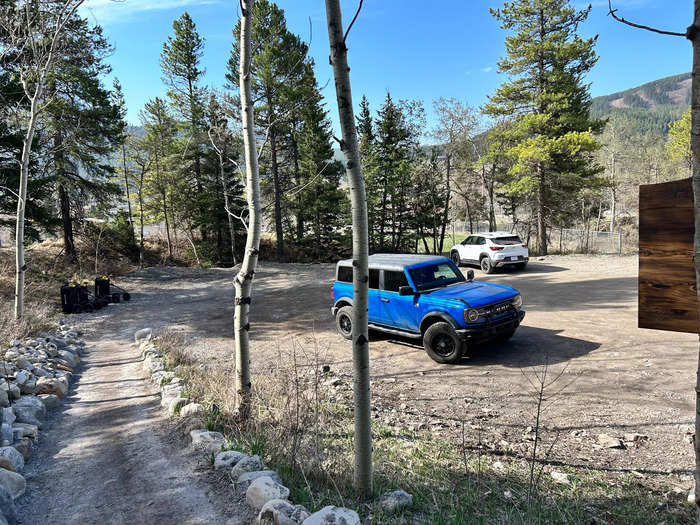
[303,427]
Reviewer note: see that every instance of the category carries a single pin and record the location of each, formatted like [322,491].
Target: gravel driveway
[110,459]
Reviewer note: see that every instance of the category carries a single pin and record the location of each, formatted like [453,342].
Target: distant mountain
[653,105]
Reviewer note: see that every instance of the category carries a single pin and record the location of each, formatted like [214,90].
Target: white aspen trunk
[244,280]
[360,249]
[20,265]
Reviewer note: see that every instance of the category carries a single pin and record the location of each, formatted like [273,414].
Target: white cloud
[487,69]
[121,10]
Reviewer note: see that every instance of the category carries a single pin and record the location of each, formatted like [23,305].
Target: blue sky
[411,48]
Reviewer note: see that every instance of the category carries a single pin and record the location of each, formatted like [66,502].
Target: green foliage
[551,135]
[678,145]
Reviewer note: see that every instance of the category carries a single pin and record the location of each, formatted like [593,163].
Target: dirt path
[109,457]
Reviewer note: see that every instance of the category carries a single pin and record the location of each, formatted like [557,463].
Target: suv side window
[480,240]
[344,274]
[394,280]
[374,279]
[468,240]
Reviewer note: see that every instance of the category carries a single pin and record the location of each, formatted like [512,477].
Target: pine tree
[180,64]
[122,137]
[83,123]
[159,141]
[324,202]
[552,130]
[278,67]
[368,153]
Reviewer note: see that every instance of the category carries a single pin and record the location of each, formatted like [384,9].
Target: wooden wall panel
[667,290]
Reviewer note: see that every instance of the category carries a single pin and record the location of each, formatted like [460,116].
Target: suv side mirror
[470,275]
[406,290]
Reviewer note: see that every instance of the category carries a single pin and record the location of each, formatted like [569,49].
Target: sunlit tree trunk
[244,280]
[360,342]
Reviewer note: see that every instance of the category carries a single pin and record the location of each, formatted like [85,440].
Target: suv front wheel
[442,343]
[343,321]
[455,258]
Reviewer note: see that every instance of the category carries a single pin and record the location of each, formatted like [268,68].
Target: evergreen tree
[83,123]
[552,128]
[180,64]
[278,67]
[678,145]
[368,153]
[123,165]
[160,131]
[324,202]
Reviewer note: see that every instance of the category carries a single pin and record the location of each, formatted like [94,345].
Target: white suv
[491,250]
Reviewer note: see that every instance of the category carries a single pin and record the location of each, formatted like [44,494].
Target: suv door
[375,307]
[400,310]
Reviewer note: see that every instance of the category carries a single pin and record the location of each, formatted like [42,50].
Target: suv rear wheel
[343,321]
[486,265]
[442,343]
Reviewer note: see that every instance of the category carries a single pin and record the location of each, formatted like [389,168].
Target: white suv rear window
[505,241]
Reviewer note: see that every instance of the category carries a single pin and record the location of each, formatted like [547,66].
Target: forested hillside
[652,106]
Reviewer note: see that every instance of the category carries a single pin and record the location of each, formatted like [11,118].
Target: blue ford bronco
[424,296]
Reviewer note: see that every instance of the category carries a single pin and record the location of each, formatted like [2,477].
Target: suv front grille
[497,308]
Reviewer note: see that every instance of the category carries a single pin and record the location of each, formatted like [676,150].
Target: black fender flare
[343,301]
[442,316]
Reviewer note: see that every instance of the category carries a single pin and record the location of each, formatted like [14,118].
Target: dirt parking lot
[628,383]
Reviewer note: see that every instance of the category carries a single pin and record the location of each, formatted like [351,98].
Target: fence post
[619,242]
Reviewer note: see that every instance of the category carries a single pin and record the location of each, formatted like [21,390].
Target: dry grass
[302,426]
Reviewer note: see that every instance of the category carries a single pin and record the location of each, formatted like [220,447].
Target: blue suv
[423,296]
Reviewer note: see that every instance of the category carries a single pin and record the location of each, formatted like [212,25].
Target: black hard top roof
[395,261]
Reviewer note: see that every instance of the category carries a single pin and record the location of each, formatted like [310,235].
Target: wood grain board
[667,289]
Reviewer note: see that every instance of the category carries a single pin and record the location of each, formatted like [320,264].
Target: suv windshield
[436,275]
[505,241]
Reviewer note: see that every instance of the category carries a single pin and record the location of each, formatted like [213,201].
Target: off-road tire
[442,343]
[343,322]
[455,258]
[485,265]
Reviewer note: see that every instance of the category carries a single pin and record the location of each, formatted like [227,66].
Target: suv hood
[474,293]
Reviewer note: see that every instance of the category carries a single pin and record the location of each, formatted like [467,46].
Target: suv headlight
[471,315]
[518,301]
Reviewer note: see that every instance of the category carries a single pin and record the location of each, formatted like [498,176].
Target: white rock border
[35,376]
[264,490]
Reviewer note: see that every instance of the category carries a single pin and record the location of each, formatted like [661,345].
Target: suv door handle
[385,300]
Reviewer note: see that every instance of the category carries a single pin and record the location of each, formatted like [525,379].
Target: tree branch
[359,7]
[612,12]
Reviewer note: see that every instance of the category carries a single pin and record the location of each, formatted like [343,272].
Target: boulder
[69,357]
[14,392]
[21,430]
[30,409]
[247,478]
[281,512]
[333,516]
[13,482]
[6,434]
[143,335]
[246,464]
[162,377]
[7,464]
[192,409]
[50,400]
[8,415]
[15,457]
[29,387]
[7,507]
[21,377]
[176,405]
[609,441]
[395,501]
[263,490]
[50,385]
[226,460]
[24,447]
[206,441]
[4,398]
[153,364]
